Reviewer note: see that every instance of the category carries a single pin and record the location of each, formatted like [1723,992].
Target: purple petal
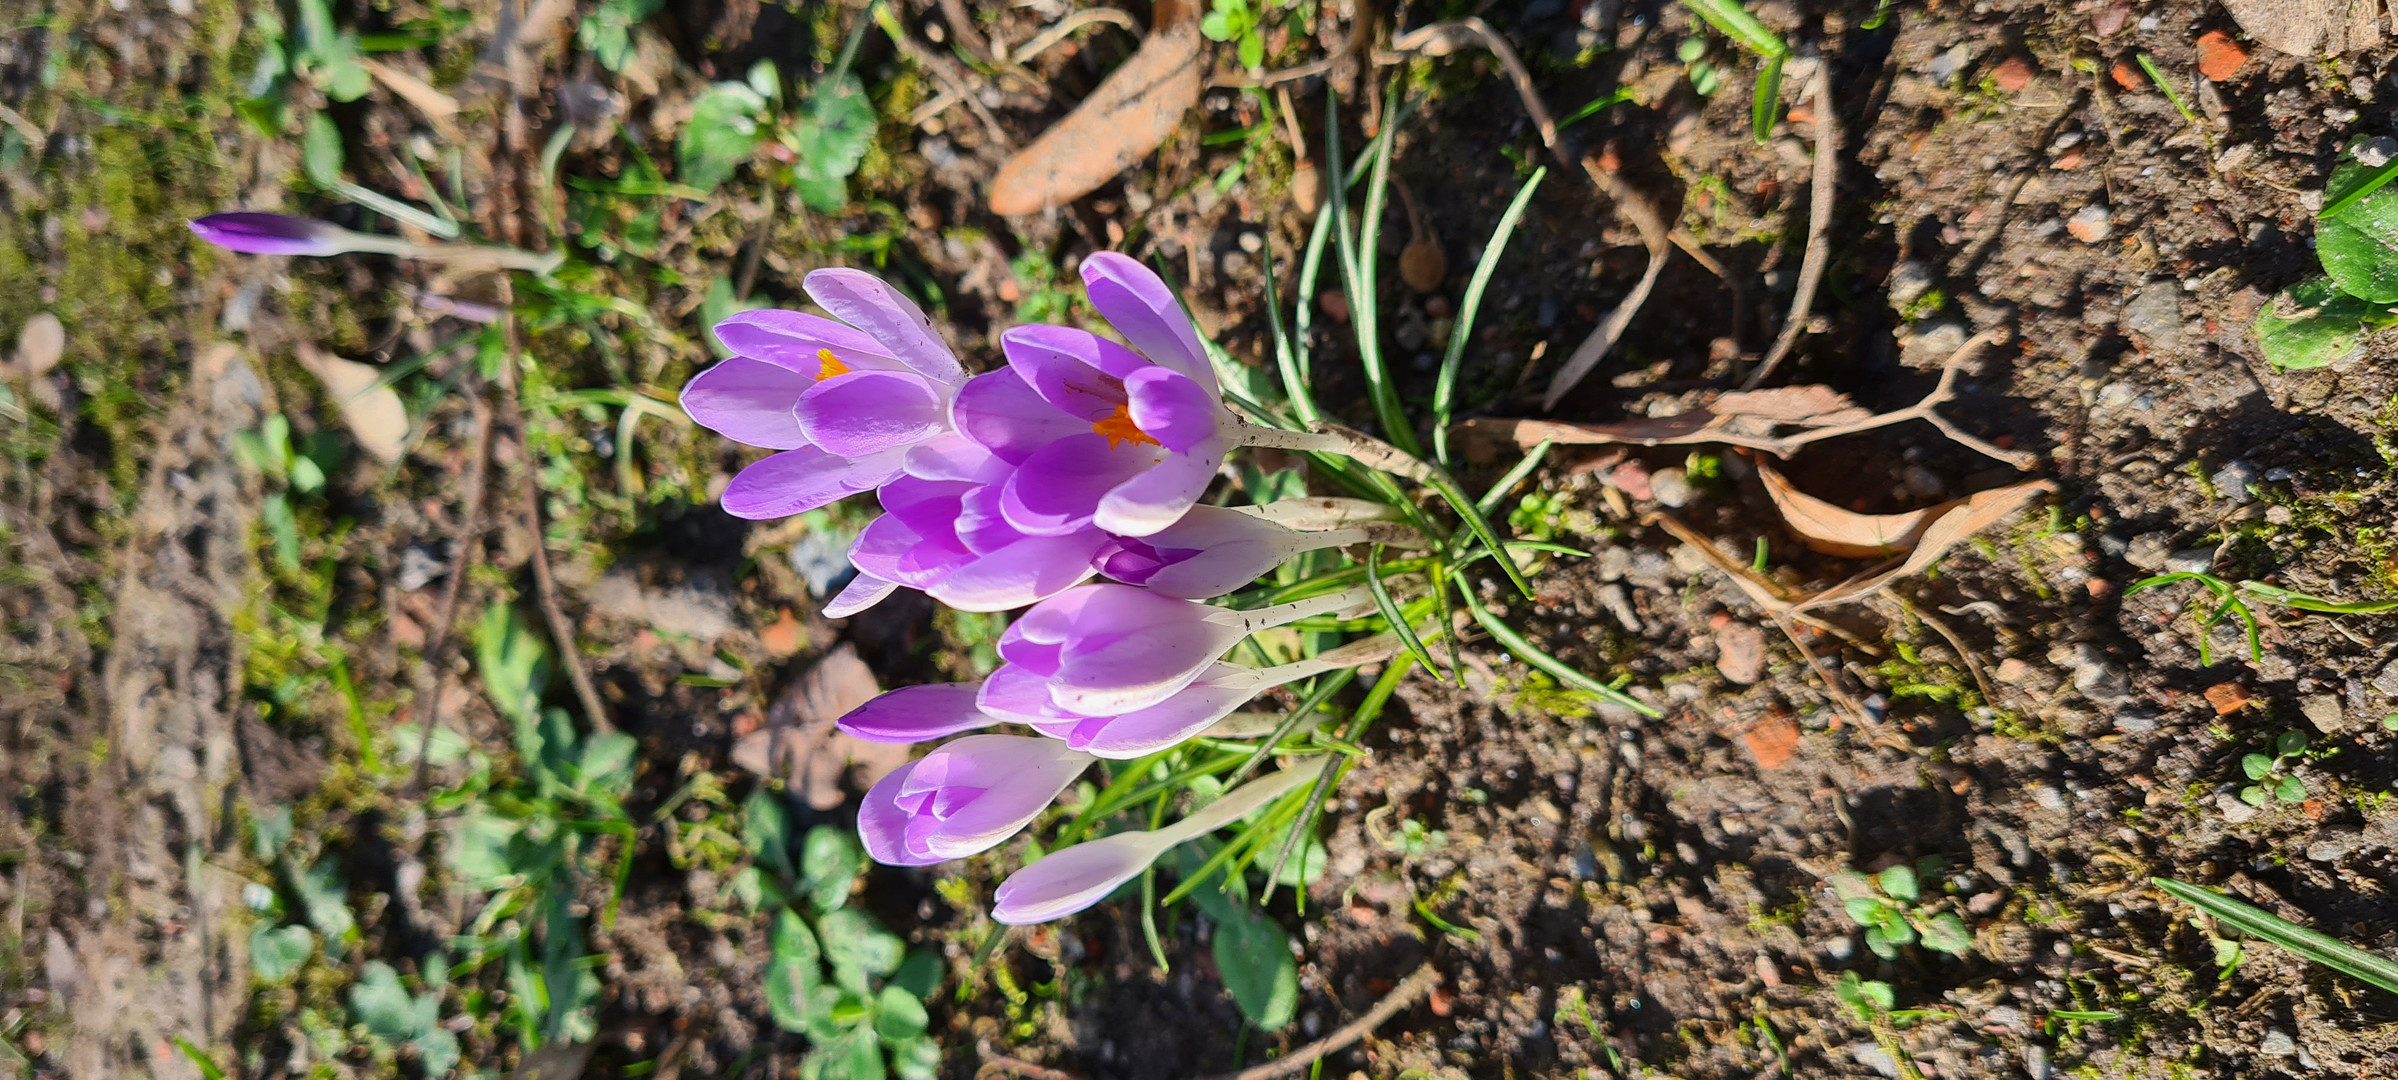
[913,714]
[1078,371]
[956,457]
[865,412]
[1028,571]
[1210,552]
[981,525]
[890,549]
[1062,485]
[797,481]
[883,824]
[255,233]
[1007,416]
[1138,669]
[1158,497]
[863,591]
[1191,710]
[988,787]
[1019,695]
[749,401]
[1173,410]
[1138,304]
[1065,882]
[798,340]
[863,301]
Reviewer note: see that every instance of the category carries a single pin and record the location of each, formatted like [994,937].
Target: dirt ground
[1601,894]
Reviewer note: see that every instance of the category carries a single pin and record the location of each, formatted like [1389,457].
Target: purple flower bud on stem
[964,797]
[254,233]
[1068,881]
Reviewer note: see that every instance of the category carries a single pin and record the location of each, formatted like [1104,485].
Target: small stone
[2148,551]
[1740,653]
[2190,561]
[2234,479]
[2090,224]
[2012,671]
[1671,488]
[2155,313]
[2006,1017]
[420,565]
[2110,20]
[1933,344]
[2125,75]
[2376,152]
[1874,1057]
[2387,681]
[2135,721]
[2277,1043]
[40,345]
[2036,1063]
[2013,74]
[1909,281]
[1252,242]
[2235,811]
[1921,482]
[2324,711]
[1951,61]
[2048,797]
[2335,843]
[1334,304]
[2219,56]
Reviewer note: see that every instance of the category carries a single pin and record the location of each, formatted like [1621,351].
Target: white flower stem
[1279,614]
[1334,439]
[1239,802]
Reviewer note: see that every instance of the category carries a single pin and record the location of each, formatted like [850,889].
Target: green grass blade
[1365,304]
[1444,393]
[1303,316]
[1294,384]
[1532,654]
[1446,485]
[1490,499]
[1734,21]
[2308,602]
[2323,949]
[1390,610]
[1448,620]
[1768,105]
[1323,692]
[2372,182]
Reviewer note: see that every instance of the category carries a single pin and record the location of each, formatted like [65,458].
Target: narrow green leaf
[2321,948]
[1444,392]
[1734,21]
[1498,492]
[1390,610]
[1768,105]
[1532,654]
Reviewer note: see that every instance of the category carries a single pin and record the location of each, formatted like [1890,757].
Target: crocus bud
[1106,650]
[272,234]
[1215,550]
[964,797]
[1068,881]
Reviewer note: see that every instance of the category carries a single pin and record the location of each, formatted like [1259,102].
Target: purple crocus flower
[1064,882]
[254,233]
[942,532]
[1101,435]
[1107,650]
[846,404]
[964,797]
[1215,550]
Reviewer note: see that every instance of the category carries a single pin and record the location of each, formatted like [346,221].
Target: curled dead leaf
[371,410]
[1962,520]
[1832,530]
[1132,111]
[799,743]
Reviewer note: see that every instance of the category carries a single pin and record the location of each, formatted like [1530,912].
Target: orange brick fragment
[2219,56]
[2227,698]
[1774,740]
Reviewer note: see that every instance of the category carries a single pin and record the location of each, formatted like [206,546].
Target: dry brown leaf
[1811,405]
[1979,512]
[2309,28]
[373,412]
[799,743]
[419,94]
[1132,111]
[1831,530]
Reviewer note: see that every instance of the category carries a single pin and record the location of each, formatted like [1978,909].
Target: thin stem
[1264,618]
[1234,805]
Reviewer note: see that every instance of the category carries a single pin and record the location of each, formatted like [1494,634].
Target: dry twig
[1407,993]
[468,542]
[1819,226]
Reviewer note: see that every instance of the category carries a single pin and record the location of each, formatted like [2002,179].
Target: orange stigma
[828,365]
[1120,429]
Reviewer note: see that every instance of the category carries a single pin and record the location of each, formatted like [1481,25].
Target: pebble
[2335,843]
[2277,1043]
[2155,313]
[1909,281]
[2324,711]
[2190,561]
[1874,1057]
[2109,20]
[2090,224]
[2377,151]
[2135,721]
[2387,681]
[2102,682]
[420,565]
[2233,481]
[1671,488]
[2035,1056]
[1740,653]
[40,345]
[1252,242]
[1946,65]
[2219,56]
[2048,797]
[2235,811]
[2149,551]
[1933,344]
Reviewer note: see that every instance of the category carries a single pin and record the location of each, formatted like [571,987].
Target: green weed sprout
[2269,777]
[2324,320]
[2256,922]
[2232,599]
[1890,906]
[1239,22]
[1733,21]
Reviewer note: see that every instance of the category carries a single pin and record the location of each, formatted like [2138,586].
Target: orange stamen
[1120,429]
[828,365]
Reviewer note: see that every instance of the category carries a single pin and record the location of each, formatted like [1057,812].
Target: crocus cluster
[1081,458]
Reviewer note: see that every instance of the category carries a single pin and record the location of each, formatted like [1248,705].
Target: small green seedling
[2232,600]
[2270,777]
[2324,320]
[1890,906]
[607,33]
[296,471]
[821,140]
[2323,949]
[395,1019]
[1239,22]
[1733,21]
